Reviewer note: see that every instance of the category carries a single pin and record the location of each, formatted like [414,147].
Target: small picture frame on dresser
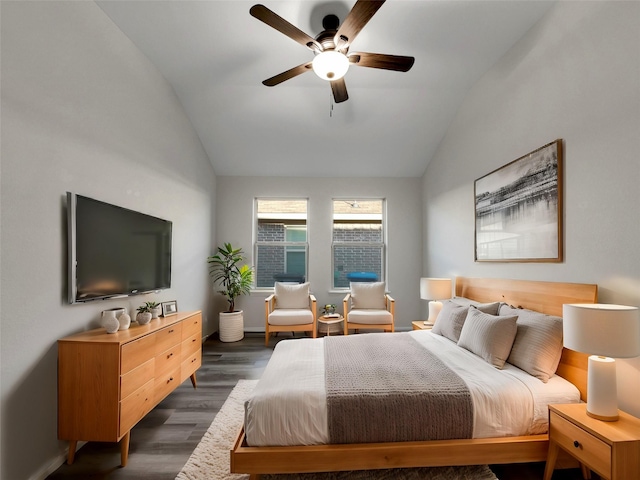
[169,308]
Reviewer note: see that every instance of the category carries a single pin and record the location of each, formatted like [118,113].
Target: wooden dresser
[108,382]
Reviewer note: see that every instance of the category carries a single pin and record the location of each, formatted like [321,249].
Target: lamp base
[602,392]
[434,310]
[603,417]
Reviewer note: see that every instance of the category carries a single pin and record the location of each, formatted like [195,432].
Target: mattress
[288,406]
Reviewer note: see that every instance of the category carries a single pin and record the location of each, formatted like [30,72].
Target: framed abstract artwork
[518,209]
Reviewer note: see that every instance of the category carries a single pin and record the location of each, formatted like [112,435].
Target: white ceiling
[215,55]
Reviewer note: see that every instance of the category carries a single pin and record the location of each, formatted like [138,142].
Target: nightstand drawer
[588,450]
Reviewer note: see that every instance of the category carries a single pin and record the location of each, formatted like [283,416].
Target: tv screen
[114,251]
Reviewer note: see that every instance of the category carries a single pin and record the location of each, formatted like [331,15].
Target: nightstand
[419,325]
[611,449]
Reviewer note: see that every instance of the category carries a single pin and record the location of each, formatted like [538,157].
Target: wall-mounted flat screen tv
[114,251]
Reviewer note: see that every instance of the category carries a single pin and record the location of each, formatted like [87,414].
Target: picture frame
[519,209]
[169,308]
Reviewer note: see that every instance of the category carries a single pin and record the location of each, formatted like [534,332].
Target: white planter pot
[143,318]
[231,326]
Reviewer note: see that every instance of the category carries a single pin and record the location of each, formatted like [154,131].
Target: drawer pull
[170,355]
[170,380]
[576,444]
[193,340]
[170,331]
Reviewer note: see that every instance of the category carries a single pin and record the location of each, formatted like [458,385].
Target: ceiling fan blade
[265,15]
[339,89]
[357,18]
[398,63]
[293,72]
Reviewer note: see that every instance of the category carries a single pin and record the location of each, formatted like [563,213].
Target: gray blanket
[385,387]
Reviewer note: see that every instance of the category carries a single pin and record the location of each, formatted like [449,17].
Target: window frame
[383,244]
[304,246]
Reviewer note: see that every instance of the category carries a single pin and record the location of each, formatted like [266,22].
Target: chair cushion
[292,295]
[370,316]
[290,316]
[368,295]
[488,336]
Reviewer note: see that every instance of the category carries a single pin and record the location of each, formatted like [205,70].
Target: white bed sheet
[288,406]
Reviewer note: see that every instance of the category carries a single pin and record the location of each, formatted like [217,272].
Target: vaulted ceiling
[215,56]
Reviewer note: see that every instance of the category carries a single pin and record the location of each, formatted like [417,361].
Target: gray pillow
[450,320]
[488,336]
[490,308]
[538,345]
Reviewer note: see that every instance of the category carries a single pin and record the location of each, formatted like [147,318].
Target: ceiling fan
[331,47]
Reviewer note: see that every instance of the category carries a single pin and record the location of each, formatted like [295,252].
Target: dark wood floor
[163,441]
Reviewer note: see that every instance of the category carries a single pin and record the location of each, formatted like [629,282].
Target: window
[281,247]
[358,241]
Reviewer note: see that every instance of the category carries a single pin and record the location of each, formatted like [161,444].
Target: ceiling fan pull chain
[331,105]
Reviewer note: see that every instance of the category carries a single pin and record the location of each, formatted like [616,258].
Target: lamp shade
[435,288]
[602,329]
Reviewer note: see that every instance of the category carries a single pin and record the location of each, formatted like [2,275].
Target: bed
[544,297]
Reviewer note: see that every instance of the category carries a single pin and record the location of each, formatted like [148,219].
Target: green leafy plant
[152,305]
[227,270]
[143,309]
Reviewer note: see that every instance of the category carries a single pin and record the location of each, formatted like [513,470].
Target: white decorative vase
[143,318]
[124,320]
[109,321]
[231,326]
[155,312]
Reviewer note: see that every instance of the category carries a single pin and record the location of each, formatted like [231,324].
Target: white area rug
[210,459]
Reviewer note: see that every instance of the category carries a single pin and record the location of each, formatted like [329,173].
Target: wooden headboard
[544,297]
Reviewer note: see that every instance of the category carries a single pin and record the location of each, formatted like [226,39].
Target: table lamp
[434,289]
[602,331]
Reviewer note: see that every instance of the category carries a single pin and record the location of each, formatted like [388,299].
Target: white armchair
[291,308]
[367,306]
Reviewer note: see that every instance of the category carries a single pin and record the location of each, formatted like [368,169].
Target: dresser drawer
[191,345]
[190,365]
[191,326]
[165,384]
[588,449]
[136,378]
[168,337]
[137,352]
[136,406]
[168,360]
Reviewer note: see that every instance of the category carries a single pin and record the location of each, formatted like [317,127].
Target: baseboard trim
[55,463]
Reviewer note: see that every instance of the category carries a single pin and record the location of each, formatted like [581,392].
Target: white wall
[84,111]
[234,223]
[575,76]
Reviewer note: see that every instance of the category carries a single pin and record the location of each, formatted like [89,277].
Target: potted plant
[144,315]
[154,308]
[234,278]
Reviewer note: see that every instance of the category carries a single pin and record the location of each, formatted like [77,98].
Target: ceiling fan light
[330,65]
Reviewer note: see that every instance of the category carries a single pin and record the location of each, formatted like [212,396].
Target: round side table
[329,325]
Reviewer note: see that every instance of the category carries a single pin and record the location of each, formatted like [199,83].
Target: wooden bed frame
[545,297]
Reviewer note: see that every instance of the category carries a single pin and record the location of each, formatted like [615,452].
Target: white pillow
[368,295]
[488,336]
[292,295]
